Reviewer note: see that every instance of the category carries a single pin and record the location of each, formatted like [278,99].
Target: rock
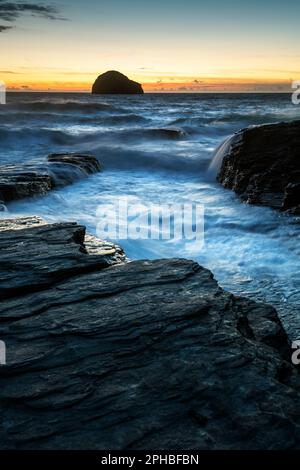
[64,169]
[113,82]
[291,199]
[46,254]
[21,181]
[262,165]
[103,354]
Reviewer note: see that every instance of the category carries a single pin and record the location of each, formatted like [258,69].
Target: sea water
[161,149]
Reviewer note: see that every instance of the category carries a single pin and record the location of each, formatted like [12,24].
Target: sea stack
[114,82]
[262,165]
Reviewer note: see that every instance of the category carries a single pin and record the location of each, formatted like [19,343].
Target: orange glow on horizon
[82,83]
[69,80]
[201,49]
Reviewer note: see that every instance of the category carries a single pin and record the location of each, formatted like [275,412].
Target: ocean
[158,149]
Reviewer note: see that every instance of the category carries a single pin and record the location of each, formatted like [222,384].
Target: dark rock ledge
[21,181]
[263,166]
[103,354]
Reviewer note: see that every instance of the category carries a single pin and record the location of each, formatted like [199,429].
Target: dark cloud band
[4,28]
[11,11]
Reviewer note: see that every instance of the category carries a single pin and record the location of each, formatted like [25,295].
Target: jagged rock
[139,355]
[262,166]
[47,253]
[113,82]
[21,181]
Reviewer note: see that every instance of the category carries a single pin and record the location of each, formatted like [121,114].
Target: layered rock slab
[26,180]
[103,354]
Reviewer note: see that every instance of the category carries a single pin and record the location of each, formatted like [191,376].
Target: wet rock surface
[22,181]
[113,82]
[103,354]
[262,165]
[34,255]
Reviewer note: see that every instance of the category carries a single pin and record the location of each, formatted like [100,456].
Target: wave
[111,147]
[159,133]
[44,119]
[71,136]
[63,174]
[116,119]
[15,137]
[230,119]
[122,158]
[62,106]
[221,151]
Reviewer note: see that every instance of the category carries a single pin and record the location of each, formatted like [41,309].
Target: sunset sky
[180,46]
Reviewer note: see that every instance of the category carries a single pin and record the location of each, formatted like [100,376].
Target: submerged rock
[103,354]
[262,165]
[113,82]
[21,181]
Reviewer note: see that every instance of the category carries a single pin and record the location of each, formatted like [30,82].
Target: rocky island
[113,82]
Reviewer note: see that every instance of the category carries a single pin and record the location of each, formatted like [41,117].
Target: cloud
[4,28]
[11,11]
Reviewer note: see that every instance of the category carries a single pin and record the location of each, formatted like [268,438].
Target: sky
[168,46]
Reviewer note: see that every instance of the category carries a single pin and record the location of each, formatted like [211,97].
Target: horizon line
[249,92]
